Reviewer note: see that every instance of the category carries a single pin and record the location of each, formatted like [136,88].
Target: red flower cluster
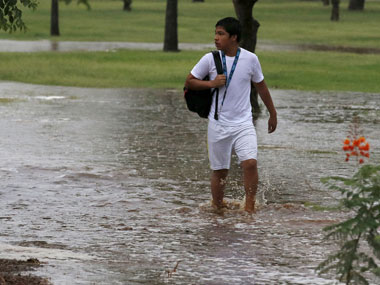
[356,147]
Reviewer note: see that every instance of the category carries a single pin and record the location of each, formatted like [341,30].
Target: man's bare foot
[219,207]
[250,210]
[250,205]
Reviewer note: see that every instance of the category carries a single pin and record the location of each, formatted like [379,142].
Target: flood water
[111,186]
[64,46]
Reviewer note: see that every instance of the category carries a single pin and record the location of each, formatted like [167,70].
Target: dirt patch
[11,269]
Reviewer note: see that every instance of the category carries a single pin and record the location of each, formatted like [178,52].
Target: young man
[233,128]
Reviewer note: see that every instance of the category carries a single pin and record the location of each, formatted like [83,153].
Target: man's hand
[272,124]
[263,91]
[219,81]
[197,84]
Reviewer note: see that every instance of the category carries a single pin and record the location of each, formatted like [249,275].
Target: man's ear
[234,37]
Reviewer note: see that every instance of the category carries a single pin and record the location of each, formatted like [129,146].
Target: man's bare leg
[251,180]
[218,181]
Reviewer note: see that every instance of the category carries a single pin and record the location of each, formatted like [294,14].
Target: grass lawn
[282,21]
[284,70]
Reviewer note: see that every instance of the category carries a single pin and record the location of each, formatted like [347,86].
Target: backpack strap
[218,62]
[219,70]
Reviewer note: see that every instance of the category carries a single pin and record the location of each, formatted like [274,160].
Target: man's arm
[264,93]
[196,84]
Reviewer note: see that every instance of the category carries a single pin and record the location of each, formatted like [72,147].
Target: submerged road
[64,46]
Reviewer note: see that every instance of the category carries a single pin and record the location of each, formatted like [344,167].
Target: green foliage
[11,14]
[361,196]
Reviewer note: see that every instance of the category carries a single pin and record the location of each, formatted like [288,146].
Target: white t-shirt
[236,109]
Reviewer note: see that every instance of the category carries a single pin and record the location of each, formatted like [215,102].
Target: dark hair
[231,25]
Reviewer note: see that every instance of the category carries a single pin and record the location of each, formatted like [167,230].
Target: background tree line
[11,17]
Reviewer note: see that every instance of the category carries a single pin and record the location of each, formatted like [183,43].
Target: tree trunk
[54,26]
[356,5]
[127,5]
[250,26]
[335,10]
[171,33]
[198,0]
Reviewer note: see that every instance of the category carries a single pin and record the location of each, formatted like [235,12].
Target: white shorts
[222,140]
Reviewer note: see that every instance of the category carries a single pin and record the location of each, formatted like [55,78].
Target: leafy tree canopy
[11,15]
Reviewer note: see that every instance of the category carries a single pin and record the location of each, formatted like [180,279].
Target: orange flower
[364,147]
[358,147]
[362,153]
[346,148]
[356,143]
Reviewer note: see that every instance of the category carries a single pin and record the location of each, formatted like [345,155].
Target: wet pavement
[110,186]
[64,46]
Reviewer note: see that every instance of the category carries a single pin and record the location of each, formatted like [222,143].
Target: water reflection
[110,186]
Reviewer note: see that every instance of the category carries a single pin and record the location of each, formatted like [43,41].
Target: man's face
[222,39]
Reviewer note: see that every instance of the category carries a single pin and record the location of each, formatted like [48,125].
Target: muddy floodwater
[110,186]
[64,46]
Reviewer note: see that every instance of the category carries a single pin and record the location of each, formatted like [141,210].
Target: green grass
[308,22]
[284,21]
[284,70]
[322,71]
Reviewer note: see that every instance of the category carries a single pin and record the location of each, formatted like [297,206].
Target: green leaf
[358,278]
[360,195]
[11,15]
[376,271]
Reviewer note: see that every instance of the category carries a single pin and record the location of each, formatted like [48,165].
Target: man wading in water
[233,129]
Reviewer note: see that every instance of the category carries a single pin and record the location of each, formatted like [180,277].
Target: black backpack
[199,101]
